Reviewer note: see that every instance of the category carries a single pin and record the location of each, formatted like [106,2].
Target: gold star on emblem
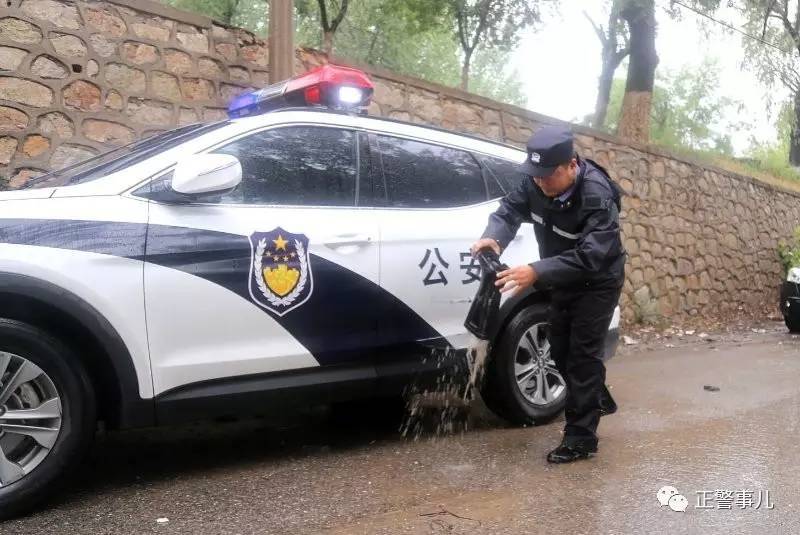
[280,243]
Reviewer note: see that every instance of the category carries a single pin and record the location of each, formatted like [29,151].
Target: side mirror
[206,174]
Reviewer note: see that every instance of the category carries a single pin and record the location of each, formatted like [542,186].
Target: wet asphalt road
[306,473]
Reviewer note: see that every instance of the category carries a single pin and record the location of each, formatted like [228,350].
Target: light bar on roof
[331,86]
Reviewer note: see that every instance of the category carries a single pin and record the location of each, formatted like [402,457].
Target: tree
[686,111]
[634,121]
[489,23]
[329,13]
[613,52]
[777,22]
[401,36]
[248,14]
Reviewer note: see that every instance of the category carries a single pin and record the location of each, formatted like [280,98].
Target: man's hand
[516,279]
[485,243]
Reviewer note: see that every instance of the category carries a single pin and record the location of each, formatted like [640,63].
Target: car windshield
[121,157]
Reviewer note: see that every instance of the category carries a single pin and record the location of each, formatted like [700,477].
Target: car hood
[38,193]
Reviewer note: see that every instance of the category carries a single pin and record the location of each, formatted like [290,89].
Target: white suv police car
[304,254]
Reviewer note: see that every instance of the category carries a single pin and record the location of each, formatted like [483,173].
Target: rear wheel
[47,415]
[522,383]
[793,324]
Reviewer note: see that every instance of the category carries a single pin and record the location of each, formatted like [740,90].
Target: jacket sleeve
[512,212]
[598,244]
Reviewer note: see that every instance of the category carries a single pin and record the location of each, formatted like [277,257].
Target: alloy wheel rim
[30,417]
[537,377]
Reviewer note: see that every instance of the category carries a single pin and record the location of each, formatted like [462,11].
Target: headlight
[794,275]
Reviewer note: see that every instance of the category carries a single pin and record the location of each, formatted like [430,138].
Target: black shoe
[607,403]
[567,454]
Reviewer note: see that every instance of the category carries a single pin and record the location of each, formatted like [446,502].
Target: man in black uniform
[574,207]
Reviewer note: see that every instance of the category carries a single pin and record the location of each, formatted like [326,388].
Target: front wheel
[522,383]
[792,323]
[47,415]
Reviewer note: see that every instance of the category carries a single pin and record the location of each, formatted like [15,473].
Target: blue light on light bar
[241,104]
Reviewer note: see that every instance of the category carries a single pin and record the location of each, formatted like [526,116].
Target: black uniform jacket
[579,238]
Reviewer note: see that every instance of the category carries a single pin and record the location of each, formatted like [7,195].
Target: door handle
[348,239]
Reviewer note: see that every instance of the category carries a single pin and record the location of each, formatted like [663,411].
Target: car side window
[423,175]
[504,172]
[296,165]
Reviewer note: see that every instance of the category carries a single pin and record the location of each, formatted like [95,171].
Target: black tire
[78,416]
[792,324]
[500,391]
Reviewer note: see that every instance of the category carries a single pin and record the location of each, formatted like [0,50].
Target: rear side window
[296,165]
[504,172]
[423,175]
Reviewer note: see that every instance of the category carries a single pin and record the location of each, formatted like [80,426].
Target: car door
[277,275]
[436,204]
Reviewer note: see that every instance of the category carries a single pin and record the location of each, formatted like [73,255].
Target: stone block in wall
[102,45]
[256,54]
[12,119]
[425,106]
[68,45]
[193,39]
[197,89]
[178,62]
[106,21]
[62,14]
[66,155]
[23,175]
[114,101]
[25,92]
[226,50]
[8,146]
[125,78]
[227,92]
[47,67]
[82,95]
[20,31]
[139,53]
[107,132]
[165,86]
[214,114]
[56,124]
[210,68]
[261,78]
[35,145]
[153,28]
[11,58]
[238,74]
[92,68]
[187,116]
[460,116]
[149,112]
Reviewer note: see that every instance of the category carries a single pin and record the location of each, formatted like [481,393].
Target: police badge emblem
[280,271]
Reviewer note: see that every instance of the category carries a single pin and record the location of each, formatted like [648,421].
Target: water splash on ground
[453,403]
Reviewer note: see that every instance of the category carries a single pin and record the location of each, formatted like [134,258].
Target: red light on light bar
[321,86]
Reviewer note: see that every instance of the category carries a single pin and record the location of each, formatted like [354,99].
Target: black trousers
[579,321]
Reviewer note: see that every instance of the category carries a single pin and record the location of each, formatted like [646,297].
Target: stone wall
[82,76]
[78,77]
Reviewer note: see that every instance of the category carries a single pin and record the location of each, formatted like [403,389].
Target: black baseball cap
[548,147]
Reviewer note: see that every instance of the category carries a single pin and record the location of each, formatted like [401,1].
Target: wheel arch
[95,341]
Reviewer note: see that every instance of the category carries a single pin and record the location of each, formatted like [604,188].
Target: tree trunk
[465,71]
[603,94]
[634,122]
[327,42]
[794,140]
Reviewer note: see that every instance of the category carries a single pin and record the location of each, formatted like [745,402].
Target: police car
[298,252]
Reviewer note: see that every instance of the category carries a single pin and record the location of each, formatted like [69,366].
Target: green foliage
[395,35]
[685,111]
[789,253]
[773,157]
[248,14]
